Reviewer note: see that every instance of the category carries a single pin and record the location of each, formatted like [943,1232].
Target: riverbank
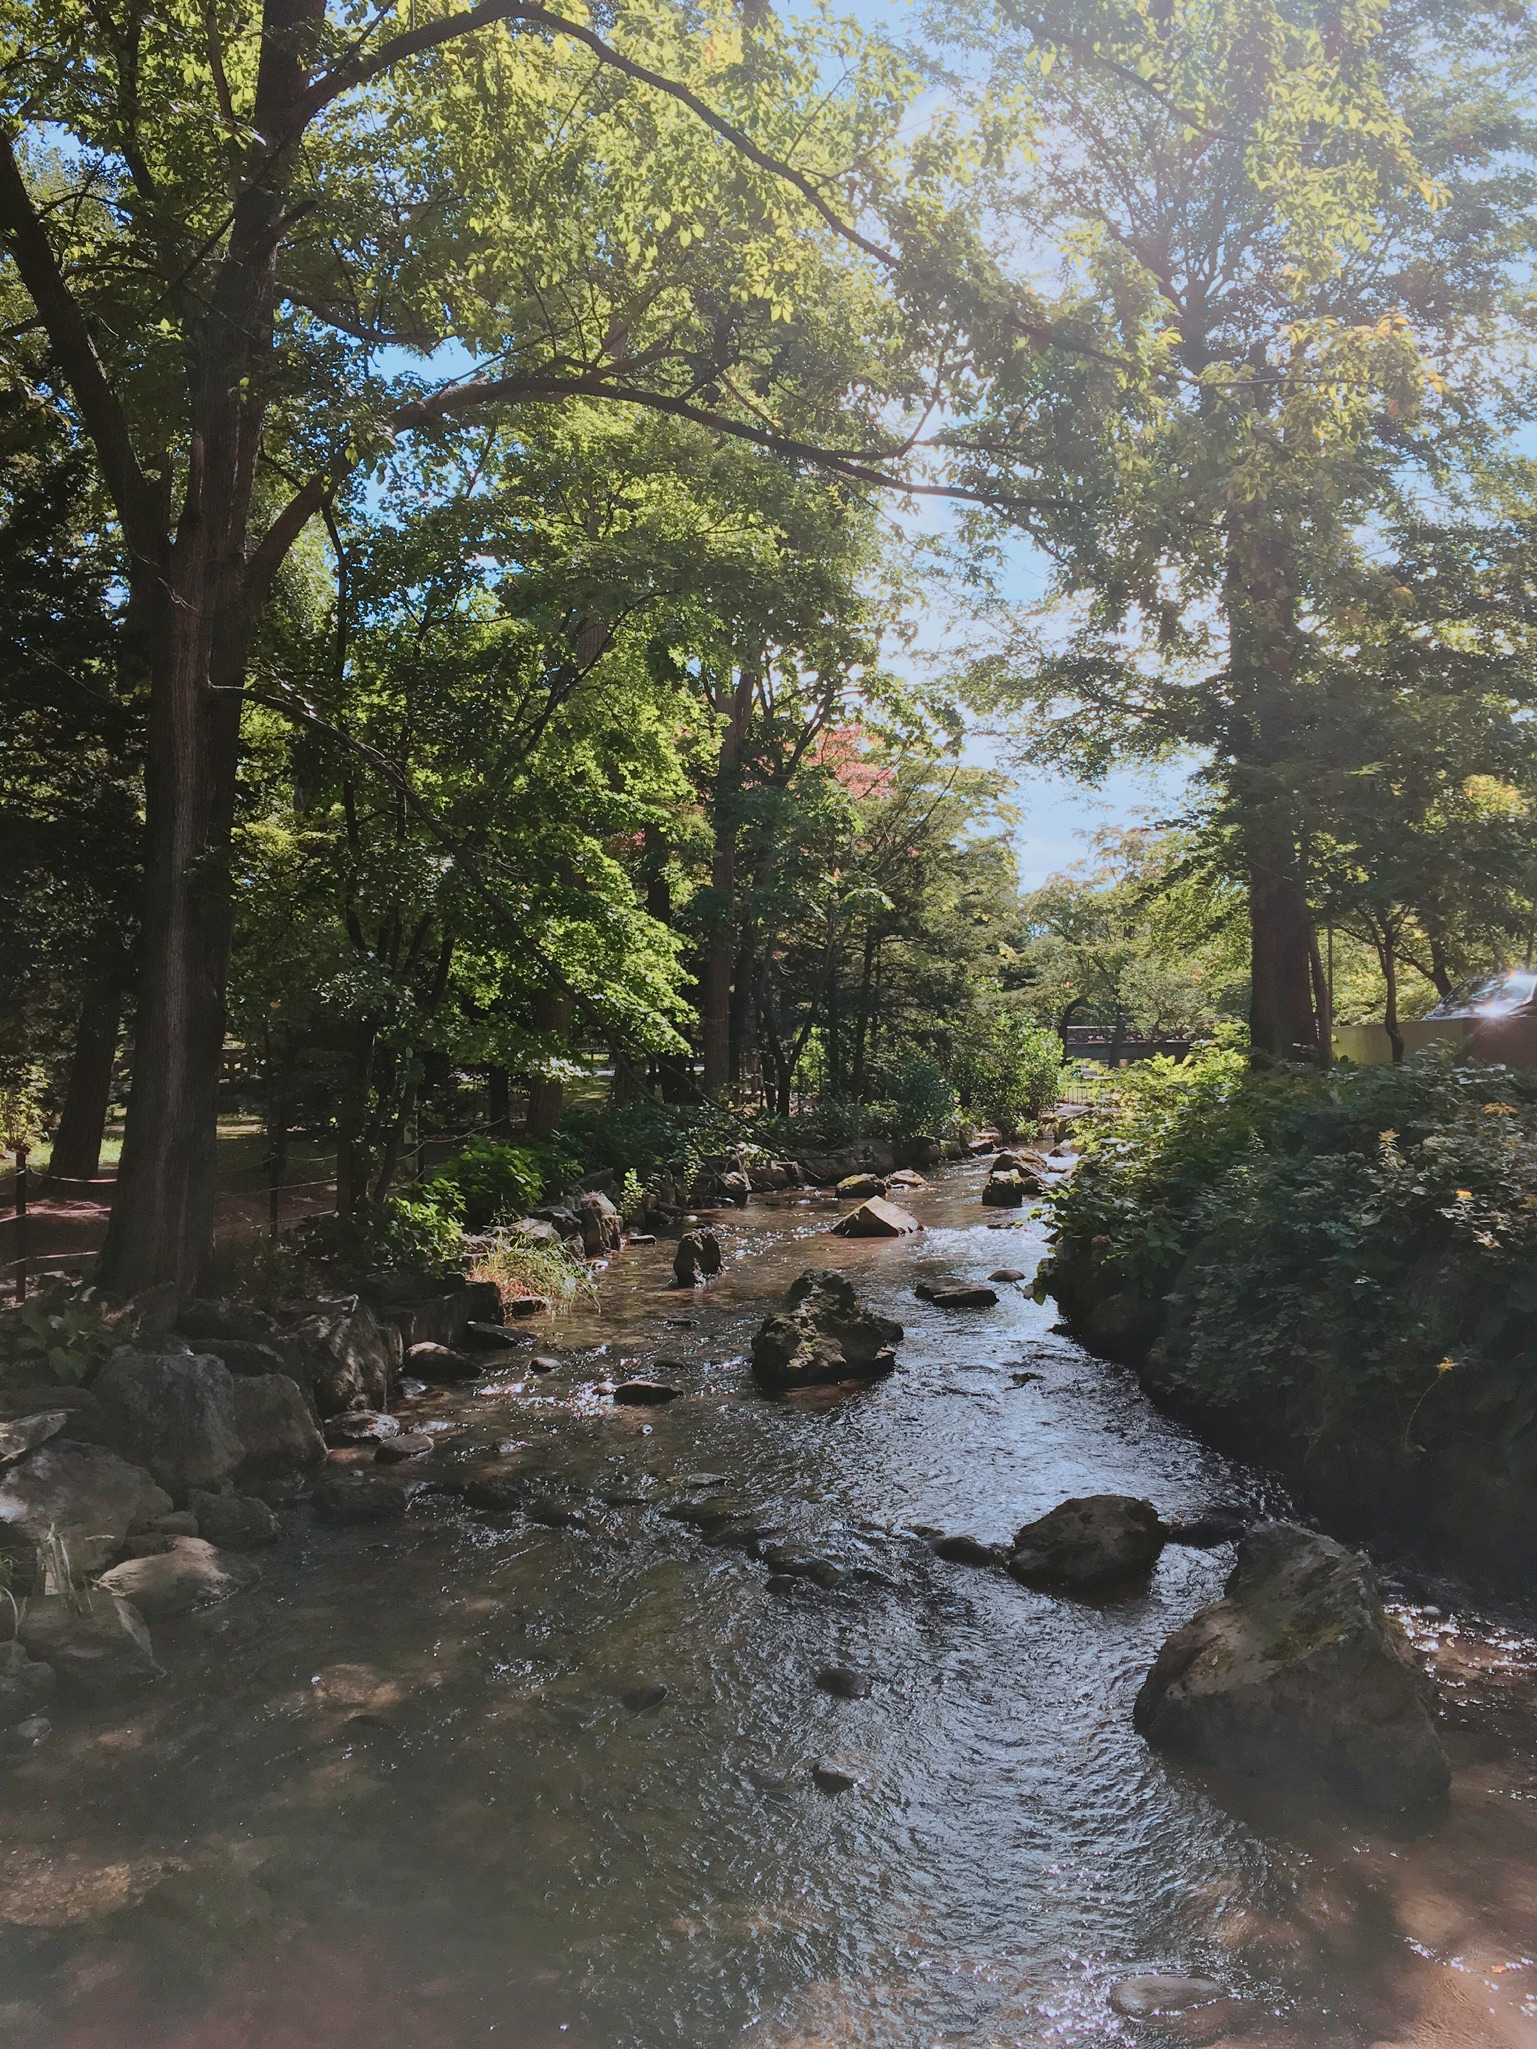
[399,1794]
[1334,1273]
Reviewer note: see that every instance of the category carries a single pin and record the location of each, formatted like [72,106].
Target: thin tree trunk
[1387,954]
[862,1018]
[499,1102]
[77,1142]
[720,938]
[744,1010]
[1323,999]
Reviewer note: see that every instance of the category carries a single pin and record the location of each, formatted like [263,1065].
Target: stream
[395,1799]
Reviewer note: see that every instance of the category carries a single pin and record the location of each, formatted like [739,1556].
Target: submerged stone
[1089,1544]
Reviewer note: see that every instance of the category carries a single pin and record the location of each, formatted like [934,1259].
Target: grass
[520,1271]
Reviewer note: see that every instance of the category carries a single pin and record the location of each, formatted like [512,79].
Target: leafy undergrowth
[1358,1248]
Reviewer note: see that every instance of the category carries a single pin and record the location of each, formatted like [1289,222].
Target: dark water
[394,1797]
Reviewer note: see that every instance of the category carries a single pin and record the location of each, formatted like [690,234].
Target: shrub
[488,1183]
[376,1235]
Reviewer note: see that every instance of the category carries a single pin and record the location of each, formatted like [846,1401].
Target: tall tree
[1314,223]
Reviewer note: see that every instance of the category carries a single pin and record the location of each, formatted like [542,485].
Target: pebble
[1007,1273]
[829,1778]
[543,1364]
[644,1700]
[962,1550]
[844,1683]
[942,1296]
[360,1426]
[704,1479]
[645,1394]
[409,1444]
[1157,1992]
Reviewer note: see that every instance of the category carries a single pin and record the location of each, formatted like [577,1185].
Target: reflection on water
[395,1798]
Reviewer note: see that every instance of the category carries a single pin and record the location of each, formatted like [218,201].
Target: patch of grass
[521,1270]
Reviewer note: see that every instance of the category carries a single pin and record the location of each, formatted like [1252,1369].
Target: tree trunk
[1323,998]
[499,1102]
[862,1018]
[1264,648]
[77,1142]
[1387,954]
[1282,1024]
[744,1010]
[546,1099]
[720,937]
[161,1227]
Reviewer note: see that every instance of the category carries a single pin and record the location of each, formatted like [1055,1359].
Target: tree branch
[65,326]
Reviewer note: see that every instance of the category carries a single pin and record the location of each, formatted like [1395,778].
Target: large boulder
[877,1218]
[96,1642]
[432,1308]
[82,1493]
[696,1259]
[349,1355]
[1298,1674]
[601,1225]
[210,1321]
[235,1522]
[277,1432]
[824,1333]
[174,1414]
[863,1156]
[1006,1190]
[83,1419]
[1089,1544]
[189,1573]
[25,1684]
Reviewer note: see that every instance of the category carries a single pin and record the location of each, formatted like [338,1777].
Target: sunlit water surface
[393,1799]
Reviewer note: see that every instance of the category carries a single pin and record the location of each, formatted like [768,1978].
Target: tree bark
[88,1093]
[1260,603]
[546,1099]
[720,938]
[498,1102]
[1323,998]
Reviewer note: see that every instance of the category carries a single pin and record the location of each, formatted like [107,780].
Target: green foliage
[919,1096]
[60,1333]
[1134,1204]
[1015,1073]
[1358,1248]
[487,1183]
[379,1235]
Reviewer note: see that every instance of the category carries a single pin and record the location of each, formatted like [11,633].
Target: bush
[379,1235]
[1359,1248]
[488,1183]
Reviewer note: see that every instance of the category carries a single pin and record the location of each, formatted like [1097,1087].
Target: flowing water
[394,1799]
